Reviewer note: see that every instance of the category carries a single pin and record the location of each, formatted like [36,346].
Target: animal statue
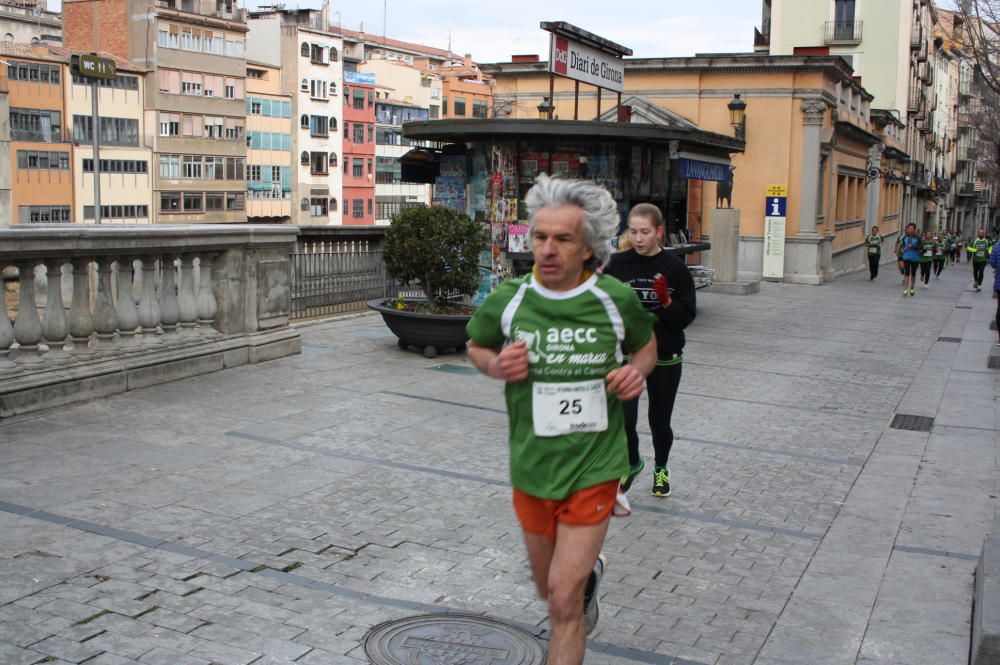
[724,191]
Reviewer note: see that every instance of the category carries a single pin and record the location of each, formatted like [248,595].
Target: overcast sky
[493,31]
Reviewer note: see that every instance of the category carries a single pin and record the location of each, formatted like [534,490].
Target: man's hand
[625,382]
[511,364]
[662,291]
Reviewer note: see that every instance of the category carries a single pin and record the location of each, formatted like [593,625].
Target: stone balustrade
[104,309]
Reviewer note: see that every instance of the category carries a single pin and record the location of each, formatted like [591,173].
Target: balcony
[843,32]
[967,189]
[922,52]
[208,297]
[966,119]
[916,99]
[967,153]
[916,37]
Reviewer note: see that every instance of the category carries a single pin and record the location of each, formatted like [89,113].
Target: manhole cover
[451,639]
[912,423]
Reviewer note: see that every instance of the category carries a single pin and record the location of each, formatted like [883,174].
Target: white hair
[600,212]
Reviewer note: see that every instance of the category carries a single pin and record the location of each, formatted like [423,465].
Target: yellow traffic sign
[777,190]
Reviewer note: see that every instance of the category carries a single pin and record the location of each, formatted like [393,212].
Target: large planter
[431,333]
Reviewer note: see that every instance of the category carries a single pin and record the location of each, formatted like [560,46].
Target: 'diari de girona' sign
[582,56]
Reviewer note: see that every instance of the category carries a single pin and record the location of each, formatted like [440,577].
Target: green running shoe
[627,480]
[661,481]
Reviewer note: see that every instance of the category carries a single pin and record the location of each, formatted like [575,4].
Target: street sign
[775,217]
[96,67]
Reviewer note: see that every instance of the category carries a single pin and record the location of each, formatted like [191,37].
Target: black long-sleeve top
[639,271]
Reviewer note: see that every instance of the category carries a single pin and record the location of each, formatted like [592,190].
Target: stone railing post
[54,327]
[27,326]
[186,300]
[6,331]
[127,312]
[170,310]
[105,317]
[207,305]
[81,322]
[149,307]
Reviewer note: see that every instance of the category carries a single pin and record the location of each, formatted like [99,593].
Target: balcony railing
[916,36]
[336,270]
[147,305]
[967,189]
[843,32]
[916,98]
[967,153]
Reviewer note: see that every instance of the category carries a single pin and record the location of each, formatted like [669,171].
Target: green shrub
[437,247]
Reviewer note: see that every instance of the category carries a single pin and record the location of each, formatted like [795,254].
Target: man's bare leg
[576,550]
[540,550]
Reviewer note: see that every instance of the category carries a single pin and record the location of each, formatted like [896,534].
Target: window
[371,98]
[318,125]
[318,164]
[193,202]
[304,86]
[371,133]
[460,106]
[258,74]
[191,166]
[170,166]
[43,214]
[333,205]
[333,54]
[358,208]
[333,159]
[117,166]
[479,109]
[35,125]
[371,207]
[359,133]
[191,87]
[358,167]
[333,123]
[214,201]
[113,131]
[170,124]
[304,205]
[359,100]
[444,105]
[170,201]
[234,168]
[255,107]
[304,50]
[235,48]
[32,159]
[118,212]
[317,55]
[333,88]
[435,112]
[317,89]
[253,172]
[276,174]
[235,201]
[34,72]
[120,82]
[230,91]
[347,130]
[318,207]
[215,168]
[304,121]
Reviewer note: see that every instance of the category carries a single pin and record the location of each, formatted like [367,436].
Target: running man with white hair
[556,337]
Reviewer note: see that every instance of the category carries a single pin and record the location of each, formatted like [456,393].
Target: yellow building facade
[269,186]
[808,128]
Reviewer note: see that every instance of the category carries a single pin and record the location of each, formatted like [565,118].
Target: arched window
[333,123]
[304,205]
[333,54]
[8,38]
[333,88]
[305,50]
[304,121]
[304,87]
[333,205]
[333,159]
[34,41]
[304,158]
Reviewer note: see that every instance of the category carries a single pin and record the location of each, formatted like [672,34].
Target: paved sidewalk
[274,513]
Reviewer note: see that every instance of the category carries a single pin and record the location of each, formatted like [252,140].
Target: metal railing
[336,281]
[916,36]
[843,32]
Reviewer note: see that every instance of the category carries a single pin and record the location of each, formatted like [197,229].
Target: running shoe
[591,605]
[627,480]
[661,481]
[926,286]
[906,292]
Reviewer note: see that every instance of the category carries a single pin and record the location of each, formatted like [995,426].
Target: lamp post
[545,109]
[738,116]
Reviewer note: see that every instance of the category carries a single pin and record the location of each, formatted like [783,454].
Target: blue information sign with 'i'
[776,206]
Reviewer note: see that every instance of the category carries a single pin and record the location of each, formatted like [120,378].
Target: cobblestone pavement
[275,513]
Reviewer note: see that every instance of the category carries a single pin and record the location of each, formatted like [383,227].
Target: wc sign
[775,217]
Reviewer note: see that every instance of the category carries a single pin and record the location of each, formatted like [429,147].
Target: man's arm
[627,381]
[508,364]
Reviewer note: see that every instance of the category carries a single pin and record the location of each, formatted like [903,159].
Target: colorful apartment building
[466,92]
[51,150]
[194,95]
[299,42]
[359,148]
[269,136]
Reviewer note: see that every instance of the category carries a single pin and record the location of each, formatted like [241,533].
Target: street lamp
[738,116]
[545,109]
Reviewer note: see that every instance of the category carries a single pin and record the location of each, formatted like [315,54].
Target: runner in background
[873,243]
[939,255]
[926,258]
[979,253]
[995,263]
[666,289]
[910,251]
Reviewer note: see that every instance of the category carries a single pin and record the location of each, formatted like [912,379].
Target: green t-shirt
[927,254]
[980,250]
[575,338]
[874,244]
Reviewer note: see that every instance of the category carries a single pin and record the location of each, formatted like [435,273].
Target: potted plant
[439,248]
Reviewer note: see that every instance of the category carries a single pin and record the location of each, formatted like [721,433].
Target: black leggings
[925,271]
[662,387]
[978,268]
[938,266]
[873,264]
[910,268]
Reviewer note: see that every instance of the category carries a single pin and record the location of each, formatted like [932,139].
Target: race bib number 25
[564,408]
